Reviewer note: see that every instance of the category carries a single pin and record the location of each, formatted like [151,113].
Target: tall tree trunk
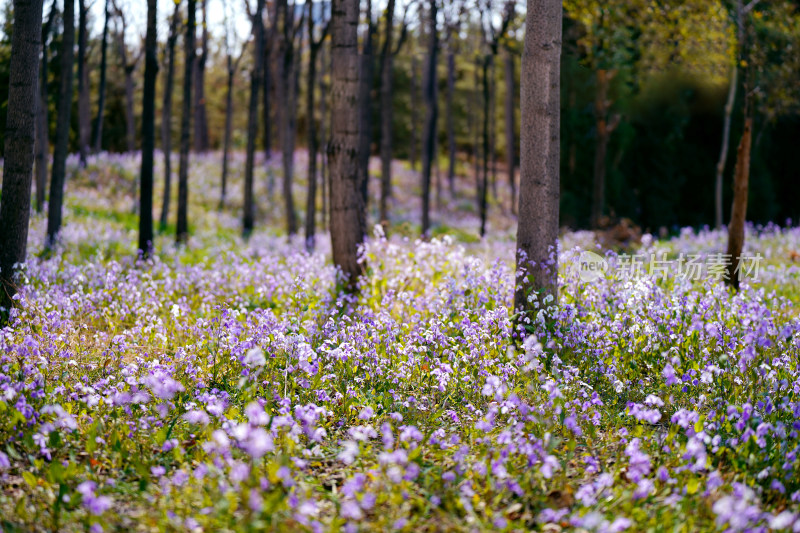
[475,129]
[166,115]
[537,231]
[431,111]
[365,108]
[601,148]
[101,90]
[723,153]
[249,213]
[285,87]
[451,129]
[348,217]
[201,142]
[311,196]
[182,227]
[387,61]
[484,187]
[62,125]
[510,141]
[493,126]
[414,142]
[323,143]
[42,123]
[739,207]
[226,146]
[20,137]
[83,85]
[148,132]
[266,109]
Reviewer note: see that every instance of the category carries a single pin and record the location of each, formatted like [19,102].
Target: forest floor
[228,386]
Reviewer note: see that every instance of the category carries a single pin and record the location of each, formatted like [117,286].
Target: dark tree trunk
[201,141]
[266,109]
[148,132]
[182,227]
[83,85]
[62,125]
[256,76]
[511,142]
[414,141]
[166,115]
[20,136]
[101,90]
[348,217]
[739,207]
[226,146]
[365,108]
[473,121]
[323,142]
[484,187]
[286,108]
[537,231]
[493,126]
[431,111]
[451,130]
[42,122]
[387,61]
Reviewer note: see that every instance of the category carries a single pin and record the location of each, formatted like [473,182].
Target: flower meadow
[232,386]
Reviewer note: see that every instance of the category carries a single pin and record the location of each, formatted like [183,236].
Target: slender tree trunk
[412,148]
[20,137]
[601,148]
[266,109]
[101,90]
[451,129]
[42,123]
[252,119]
[365,108]
[473,123]
[537,231]
[166,116]
[484,187]
[387,61]
[83,85]
[324,180]
[348,217]
[182,227]
[201,141]
[739,207]
[311,196]
[723,153]
[62,125]
[431,111]
[148,132]
[285,110]
[493,126]
[510,140]
[226,147]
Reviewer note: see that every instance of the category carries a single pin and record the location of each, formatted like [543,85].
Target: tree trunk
[365,108]
[412,147]
[182,227]
[510,141]
[348,217]
[83,85]
[201,142]
[148,132]
[311,196]
[493,126]
[285,87]
[101,90]
[484,184]
[42,123]
[166,116]
[62,125]
[451,129]
[20,135]
[537,231]
[266,109]
[431,110]
[324,167]
[739,207]
[226,146]
[723,153]
[387,60]
[473,123]
[601,148]
[252,119]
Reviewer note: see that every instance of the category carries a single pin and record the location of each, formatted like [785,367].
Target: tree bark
[266,109]
[226,146]
[451,129]
[248,220]
[58,174]
[83,85]
[20,135]
[148,132]
[286,108]
[182,227]
[414,142]
[365,108]
[484,184]
[431,111]
[510,140]
[166,115]
[537,231]
[739,207]
[201,141]
[101,90]
[723,153]
[324,179]
[348,217]
[387,61]
[42,123]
